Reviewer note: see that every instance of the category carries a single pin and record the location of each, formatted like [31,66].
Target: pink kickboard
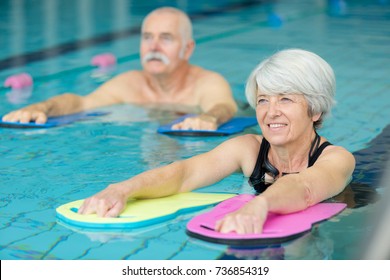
[277,228]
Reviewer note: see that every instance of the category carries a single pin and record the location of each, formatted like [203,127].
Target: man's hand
[201,122]
[26,115]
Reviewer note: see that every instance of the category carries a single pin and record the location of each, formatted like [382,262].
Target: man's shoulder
[203,71]
[205,75]
[132,74]
[124,86]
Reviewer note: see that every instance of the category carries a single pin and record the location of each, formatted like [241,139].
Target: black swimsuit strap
[256,180]
[263,152]
[314,144]
[317,153]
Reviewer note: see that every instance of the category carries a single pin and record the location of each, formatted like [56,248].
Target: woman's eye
[285,100]
[261,101]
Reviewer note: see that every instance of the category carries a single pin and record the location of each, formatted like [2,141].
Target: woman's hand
[248,219]
[108,203]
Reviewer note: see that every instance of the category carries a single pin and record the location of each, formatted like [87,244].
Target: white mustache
[156,55]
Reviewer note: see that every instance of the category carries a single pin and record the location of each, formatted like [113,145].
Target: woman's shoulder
[331,148]
[243,146]
[249,139]
[248,149]
[242,151]
[337,153]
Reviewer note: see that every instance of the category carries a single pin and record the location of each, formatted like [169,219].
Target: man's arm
[109,93]
[216,98]
[216,101]
[56,106]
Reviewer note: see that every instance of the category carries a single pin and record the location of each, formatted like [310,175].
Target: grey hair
[185,26]
[295,71]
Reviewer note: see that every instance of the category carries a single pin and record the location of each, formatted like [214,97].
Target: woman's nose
[273,109]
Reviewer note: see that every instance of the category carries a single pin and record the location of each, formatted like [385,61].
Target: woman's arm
[181,176]
[326,178]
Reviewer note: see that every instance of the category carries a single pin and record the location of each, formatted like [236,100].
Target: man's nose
[154,44]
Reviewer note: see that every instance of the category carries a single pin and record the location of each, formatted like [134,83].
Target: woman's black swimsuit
[263,166]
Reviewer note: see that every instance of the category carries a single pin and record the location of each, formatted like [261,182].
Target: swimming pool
[42,169]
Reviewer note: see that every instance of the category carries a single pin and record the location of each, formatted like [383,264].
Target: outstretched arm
[108,94]
[56,106]
[291,193]
[178,177]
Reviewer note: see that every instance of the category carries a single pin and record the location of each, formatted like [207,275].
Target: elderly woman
[289,165]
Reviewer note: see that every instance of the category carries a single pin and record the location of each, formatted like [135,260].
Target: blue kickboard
[235,125]
[53,121]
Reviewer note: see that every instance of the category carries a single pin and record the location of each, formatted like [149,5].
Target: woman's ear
[316,117]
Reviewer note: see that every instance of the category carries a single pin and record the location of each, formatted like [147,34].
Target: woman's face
[284,118]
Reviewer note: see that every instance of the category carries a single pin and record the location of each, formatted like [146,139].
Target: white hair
[295,71]
[185,22]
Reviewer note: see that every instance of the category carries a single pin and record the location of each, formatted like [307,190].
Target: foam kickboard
[53,121]
[235,125]
[277,228]
[140,212]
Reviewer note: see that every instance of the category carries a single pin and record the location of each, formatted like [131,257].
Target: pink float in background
[103,60]
[19,81]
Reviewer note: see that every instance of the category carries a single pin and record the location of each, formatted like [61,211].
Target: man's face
[162,44]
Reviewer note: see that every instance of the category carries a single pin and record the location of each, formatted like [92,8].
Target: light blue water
[42,169]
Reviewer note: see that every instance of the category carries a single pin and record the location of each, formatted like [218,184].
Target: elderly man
[167,78]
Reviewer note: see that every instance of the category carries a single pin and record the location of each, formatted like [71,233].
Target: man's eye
[146,37]
[166,38]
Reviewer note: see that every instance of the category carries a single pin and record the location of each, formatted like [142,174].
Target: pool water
[44,168]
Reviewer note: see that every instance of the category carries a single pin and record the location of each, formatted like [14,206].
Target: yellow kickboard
[141,212]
